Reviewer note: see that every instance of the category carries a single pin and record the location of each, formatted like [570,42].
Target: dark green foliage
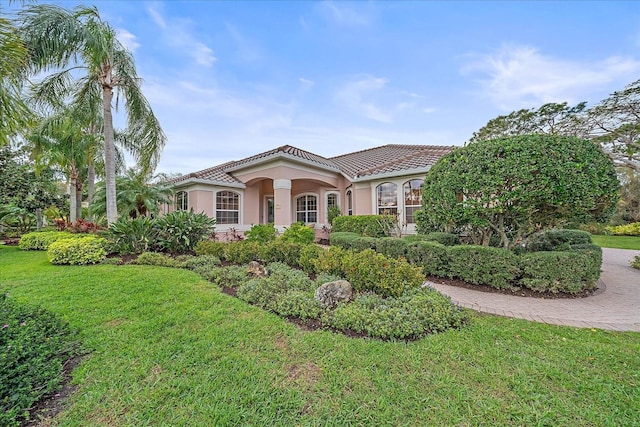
[40,240]
[595,252]
[417,312]
[447,239]
[552,240]
[362,243]
[332,213]
[231,277]
[281,250]
[433,257]
[78,251]
[34,344]
[132,236]
[209,247]
[296,303]
[344,239]
[265,292]
[198,263]
[180,231]
[569,272]
[298,233]
[328,261]
[242,252]
[514,186]
[365,225]
[262,233]
[371,271]
[392,247]
[481,265]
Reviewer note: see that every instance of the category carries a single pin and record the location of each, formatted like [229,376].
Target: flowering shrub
[632,229]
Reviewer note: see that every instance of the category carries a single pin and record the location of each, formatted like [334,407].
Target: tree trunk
[109,157]
[91,186]
[38,219]
[78,199]
[73,200]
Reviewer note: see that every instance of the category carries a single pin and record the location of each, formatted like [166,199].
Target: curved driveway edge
[615,308]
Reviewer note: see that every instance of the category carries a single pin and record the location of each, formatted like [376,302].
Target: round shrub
[635,263]
[230,277]
[299,233]
[482,265]
[295,303]
[307,257]
[40,240]
[561,239]
[569,272]
[242,252]
[197,263]
[78,251]
[209,247]
[281,250]
[433,257]
[155,258]
[261,233]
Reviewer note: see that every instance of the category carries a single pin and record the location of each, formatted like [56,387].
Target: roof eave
[281,155]
[393,174]
[208,182]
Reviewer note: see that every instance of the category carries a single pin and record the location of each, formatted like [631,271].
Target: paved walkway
[614,306]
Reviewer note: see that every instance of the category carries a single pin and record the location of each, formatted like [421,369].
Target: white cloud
[520,76]
[344,15]
[357,95]
[127,39]
[177,35]
[245,50]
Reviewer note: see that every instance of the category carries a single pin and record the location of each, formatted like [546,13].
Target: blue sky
[231,79]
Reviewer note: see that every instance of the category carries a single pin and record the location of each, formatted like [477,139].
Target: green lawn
[619,242]
[169,349]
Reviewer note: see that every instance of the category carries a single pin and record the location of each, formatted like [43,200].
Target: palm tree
[71,40]
[14,114]
[139,194]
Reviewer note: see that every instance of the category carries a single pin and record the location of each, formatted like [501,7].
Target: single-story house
[287,185]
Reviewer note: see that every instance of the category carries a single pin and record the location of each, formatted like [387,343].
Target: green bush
[433,257]
[482,265]
[307,257]
[79,251]
[296,303]
[40,240]
[417,312]
[553,240]
[632,229]
[231,277]
[262,233]
[266,292]
[635,263]
[329,261]
[332,213]
[344,239]
[365,225]
[198,263]
[447,239]
[155,258]
[180,231]
[242,252]
[362,243]
[34,344]
[209,247]
[596,228]
[370,271]
[281,250]
[132,236]
[392,247]
[595,252]
[298,233]
[568,272]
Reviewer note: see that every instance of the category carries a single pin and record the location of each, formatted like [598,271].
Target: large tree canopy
[513,187]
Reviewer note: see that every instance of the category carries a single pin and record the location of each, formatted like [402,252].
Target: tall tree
[69,40]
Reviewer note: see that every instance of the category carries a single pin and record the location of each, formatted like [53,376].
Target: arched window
[412,198]
[182,201]
[349,203]
[227,207]
[307,209]
[387,198]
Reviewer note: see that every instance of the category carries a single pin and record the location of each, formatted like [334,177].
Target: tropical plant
[138,195]
[180,231]
[515,187]
[68,40]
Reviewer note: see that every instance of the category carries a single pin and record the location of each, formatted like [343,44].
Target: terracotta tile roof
[389,158]
[379,160]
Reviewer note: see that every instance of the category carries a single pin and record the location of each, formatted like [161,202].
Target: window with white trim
[349,203]
[387,198]
[307,209]
[412,199]
[227,207]
[182,201]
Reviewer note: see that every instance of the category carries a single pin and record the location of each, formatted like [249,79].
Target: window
[349,203]
[387,199]
[332,200]
[227,207]
[182,201]
[412,198]
[307,209]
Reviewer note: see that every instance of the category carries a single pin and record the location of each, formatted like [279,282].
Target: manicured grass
[619,242]
[170,349]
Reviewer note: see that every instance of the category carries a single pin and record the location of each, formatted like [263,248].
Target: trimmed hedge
[553,240]
[392,247]
[570,272]
[447,239]
[482,265]
[40,240]
[433,257]
[365,225]
[209,247]
[79,251]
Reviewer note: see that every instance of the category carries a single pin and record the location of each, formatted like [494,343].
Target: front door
[268,209]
